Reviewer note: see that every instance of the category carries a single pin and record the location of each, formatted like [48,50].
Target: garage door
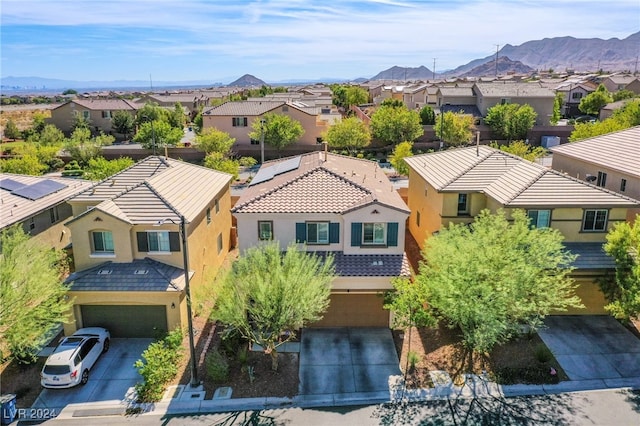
[591,297]
[355,310]
[126,320]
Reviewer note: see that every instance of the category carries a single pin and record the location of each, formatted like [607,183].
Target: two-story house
[540,98]
[98,112]
[453,186]
[334,204]
[128,235]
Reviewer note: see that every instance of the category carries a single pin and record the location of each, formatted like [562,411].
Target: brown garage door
[355,310]
[126,320]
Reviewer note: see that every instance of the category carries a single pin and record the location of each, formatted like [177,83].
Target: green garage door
[126,320]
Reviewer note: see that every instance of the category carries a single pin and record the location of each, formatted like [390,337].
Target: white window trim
[384,234]
[317,239]
[160,252]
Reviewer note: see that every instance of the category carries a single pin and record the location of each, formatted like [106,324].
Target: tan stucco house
[98,112]
[334,204]
[540,98]
[453,186]
[127,245]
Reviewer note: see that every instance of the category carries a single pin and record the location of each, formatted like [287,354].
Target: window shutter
[356,234]
[301,233]
[143,243]
[245,121]
[174,241]
[334,233]
[392,234]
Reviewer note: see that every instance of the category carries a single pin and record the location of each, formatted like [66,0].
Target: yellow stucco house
[127,247]
[453,186]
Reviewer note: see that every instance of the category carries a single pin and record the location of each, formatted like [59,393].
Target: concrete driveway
[109,380]
[592,347]
[346,360]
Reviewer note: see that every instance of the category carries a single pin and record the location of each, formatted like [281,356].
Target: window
[220,245]
[106,114]
[285,108]
[102,242]
[158,241]
[417,218]
[623,185]
[505,101]
[255,141]
[54,215]
[239,121]
[539,218]
[576,95]
[86,115]
[32,224]
[208,216]
[374,233]
[318,232]
[595,220]
[217,205]
[463,204]
[265,230]
[602,179]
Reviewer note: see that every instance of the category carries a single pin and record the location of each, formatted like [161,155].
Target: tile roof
[337,185]
[510,180]
[140,275]
[618,150]
[590,256]
[369,265]
[246,108]
[456,91]
[106,104]
[14,208]
[521,90]
[156,187]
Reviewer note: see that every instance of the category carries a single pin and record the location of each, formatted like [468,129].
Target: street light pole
[192,349]
[262,122]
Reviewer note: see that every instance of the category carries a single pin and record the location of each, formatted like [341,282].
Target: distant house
[615,83]
[453,186]
[332,204]
[98,112]
[39,204]
[416,97]
[573,94]
[191,101]
[541,99]
[128,250]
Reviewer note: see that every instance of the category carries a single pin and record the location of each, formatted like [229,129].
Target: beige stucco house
[540,98]
[98,112]
[127,245]
[334,204]
[453,186]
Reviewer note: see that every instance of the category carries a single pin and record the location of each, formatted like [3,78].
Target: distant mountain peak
[247,80]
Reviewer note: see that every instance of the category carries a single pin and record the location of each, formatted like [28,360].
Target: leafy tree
[100,168]
[454,129]
[70,92]
[214,140]
[394,103]
[269,294]
[11,131]
[557,108]
[628,115]
[222,163]
[150,112]
[400,152]
[345,96]
[623,94]
[80,122]
[50,135]
[427,116]
[48,155]
[350,134]
[25,165]
[32,293]
[159,132]
[594,101]
[198,122]
[176,117]
[82,147]
[406,302]
[511,121]
[280,130]
[490,278]
[623,291]
[623,118]
[521,149]
[123,122]
[394,124]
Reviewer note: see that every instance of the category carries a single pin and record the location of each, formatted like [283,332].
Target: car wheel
[105,346]
[85,377]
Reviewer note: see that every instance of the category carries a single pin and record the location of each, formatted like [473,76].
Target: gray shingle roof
[369,265]
[590,256]
[248,108]
[514,90]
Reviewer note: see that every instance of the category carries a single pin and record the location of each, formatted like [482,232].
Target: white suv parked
[70,362]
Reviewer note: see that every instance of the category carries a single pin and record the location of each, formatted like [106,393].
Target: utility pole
[434,68]
[497,47]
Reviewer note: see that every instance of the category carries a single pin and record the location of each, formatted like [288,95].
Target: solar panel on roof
[10,184]
[263,175]
[39,189]
[267,173]
[287,165]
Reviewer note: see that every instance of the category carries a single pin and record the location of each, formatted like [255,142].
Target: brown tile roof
[106,104]
[243,108]
[337,185]
[514,90]
[618,150]
[510,180]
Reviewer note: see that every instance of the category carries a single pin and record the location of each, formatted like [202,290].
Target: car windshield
[56,369]
[71,341]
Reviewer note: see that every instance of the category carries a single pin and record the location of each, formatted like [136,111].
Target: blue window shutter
[392,234]
[143,243]
[356,234]
[334,233]
[301,233]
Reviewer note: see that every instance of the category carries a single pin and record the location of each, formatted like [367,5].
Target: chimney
[326,150]
[477,143]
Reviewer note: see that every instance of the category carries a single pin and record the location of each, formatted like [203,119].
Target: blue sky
[279,40]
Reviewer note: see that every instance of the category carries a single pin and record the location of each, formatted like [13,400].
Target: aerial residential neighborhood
[269,221]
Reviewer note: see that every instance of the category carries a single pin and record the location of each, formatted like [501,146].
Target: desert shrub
[414,358]
[159,367]
[543,354]
[217,367]
[243,355]
[247,161]
[537,374]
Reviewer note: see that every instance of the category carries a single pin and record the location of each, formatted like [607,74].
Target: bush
[543,354]
[414,358]
[159,367]
[538,375]
[217,367]
[247,161]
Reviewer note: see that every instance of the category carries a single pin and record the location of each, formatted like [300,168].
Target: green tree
[25,165]
[123,122]
[346,95]
[150,111]
[79,121]
[50,135]
[400,152]
[558,101]
[623,290]
[70,92]
[158,132]
[99,168]
[350,134]
[623,94]
[280,130]
[454,129]
[628,115]
[594,101]
[214,140]
[11,131]
[32,293]
[623,118]
[82,147]
[198,122]
[222,163]
[523,150]
[511,121]
[492,277]
[406,302]
[393,124]
[176,117]
[427,116]
[269,294]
